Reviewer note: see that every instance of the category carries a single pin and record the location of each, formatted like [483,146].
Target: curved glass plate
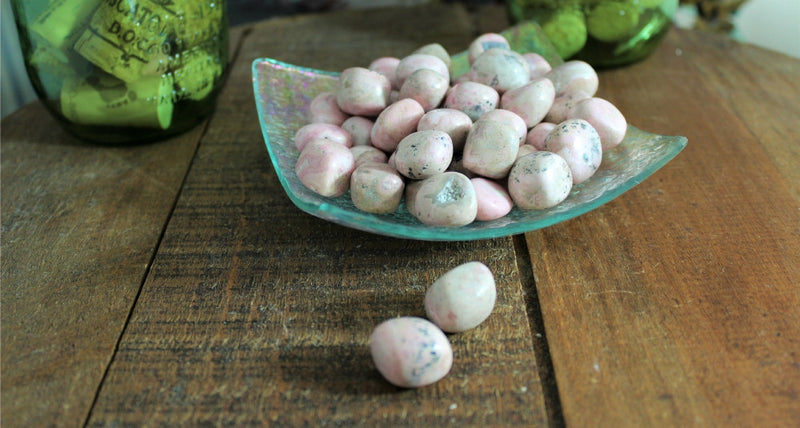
[283,93]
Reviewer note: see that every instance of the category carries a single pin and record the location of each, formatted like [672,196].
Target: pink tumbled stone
[510,118]
[538,133]
[425,86]
[314,131]
[483,43]
[446,199]
[436,50]
[462,298]
[578,143]
[365,154]
[423,154]
[362,92]
[574,76]
[325,167]
[491,148]
[376,188]
[606,119]
[539,181]
[395,123]
[454,122]
[493,200]
[561,109]
[324,109]
[415,62]
[410,352]
[531,101]
[537,64]
[501,68]
[472,98]
[360,128]
[387,66]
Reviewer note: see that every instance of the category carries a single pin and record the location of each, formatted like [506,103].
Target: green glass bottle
[604,33]
[125,71]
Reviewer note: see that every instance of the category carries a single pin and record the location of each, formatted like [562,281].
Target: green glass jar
[604,33]
[125,71]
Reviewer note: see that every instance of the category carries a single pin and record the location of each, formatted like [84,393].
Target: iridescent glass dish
[284,91]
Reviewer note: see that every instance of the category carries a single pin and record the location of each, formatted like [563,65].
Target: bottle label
[123,37]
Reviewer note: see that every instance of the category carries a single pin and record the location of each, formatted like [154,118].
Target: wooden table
[175,284]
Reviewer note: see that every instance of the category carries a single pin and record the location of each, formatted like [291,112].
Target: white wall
[773,24]
[16,88]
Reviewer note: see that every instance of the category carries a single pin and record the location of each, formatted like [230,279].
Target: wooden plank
[337,40]
[255,313]
[764,83]
[677,303]
[80,226]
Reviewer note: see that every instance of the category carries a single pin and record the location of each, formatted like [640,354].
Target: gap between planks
[242,35]
[541,351]
[142,282]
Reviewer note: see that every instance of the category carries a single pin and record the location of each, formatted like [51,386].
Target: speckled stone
[491,148]
[539,180]
[376,188]
[446,199]
[424,154]
[606,119]
[462,298]
[578,143]
[410,352]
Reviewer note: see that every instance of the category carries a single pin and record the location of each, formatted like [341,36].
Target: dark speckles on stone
[489,45]
[429,360]
[423,330]
[450,192]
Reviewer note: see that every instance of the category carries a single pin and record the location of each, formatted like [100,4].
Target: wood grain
[676,304]
[760,87]
[256,313]
[80,226]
